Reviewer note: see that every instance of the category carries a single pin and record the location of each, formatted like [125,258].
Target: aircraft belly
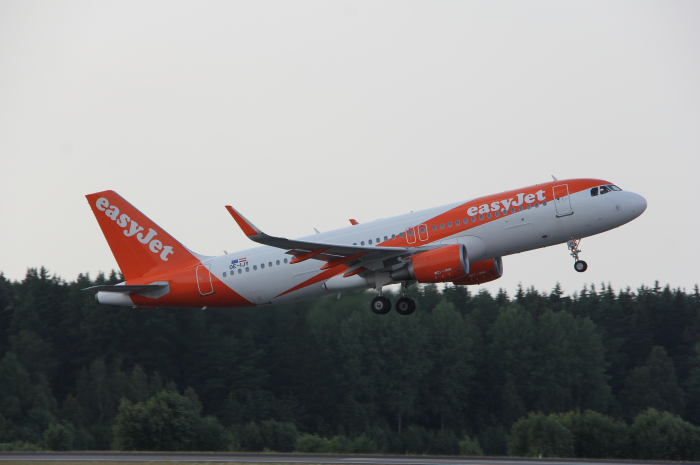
[521,237]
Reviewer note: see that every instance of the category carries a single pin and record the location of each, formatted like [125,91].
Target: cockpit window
[594,192]
[604,190]
[613,187]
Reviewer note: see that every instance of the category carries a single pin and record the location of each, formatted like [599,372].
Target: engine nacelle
[482,272]
[436,266]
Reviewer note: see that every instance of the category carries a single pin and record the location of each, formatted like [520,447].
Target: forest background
[599,373]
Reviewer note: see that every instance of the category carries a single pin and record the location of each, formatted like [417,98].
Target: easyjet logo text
[154,245]
[506,204]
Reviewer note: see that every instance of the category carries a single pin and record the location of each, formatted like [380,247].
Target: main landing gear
[405,306]
[579,265]
[381,305]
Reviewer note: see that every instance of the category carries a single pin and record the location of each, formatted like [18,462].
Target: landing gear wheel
[381,305]
[405,306]
[579,265]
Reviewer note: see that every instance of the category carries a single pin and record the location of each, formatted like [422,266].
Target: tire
[381,305]
[580,266]
[405,306]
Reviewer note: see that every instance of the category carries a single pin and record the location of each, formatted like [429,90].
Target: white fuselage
[267,276]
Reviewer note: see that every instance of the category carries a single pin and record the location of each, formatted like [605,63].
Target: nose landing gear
[579,265]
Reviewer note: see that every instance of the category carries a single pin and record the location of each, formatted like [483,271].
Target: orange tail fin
[138,244]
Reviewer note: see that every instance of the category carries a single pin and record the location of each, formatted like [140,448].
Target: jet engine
[482,272]
[435,266]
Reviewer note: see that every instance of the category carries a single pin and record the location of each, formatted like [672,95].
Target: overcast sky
[304,114]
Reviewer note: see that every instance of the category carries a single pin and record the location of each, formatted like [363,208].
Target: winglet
[247,227]
[353,222]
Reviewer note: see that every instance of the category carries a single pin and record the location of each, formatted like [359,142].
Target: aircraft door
[562,202]
[204,280]
[410,235]
[423,232]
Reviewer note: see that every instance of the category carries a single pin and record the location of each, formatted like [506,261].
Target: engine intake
[436,266]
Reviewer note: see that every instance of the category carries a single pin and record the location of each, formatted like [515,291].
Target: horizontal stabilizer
[127,289]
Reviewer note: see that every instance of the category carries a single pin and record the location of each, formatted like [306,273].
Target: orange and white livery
[462,243]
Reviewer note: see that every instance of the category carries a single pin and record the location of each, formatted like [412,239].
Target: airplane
[461,243]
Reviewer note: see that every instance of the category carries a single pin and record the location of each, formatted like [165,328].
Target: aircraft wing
[334,254]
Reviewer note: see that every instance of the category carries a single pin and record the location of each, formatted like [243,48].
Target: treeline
[528,374]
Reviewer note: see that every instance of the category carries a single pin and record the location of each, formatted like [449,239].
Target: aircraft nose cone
[639,204]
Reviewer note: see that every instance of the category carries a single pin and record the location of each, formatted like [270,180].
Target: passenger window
[422,230]
[442,225]
[466,220]
[262,266]
[594,192]
[285,260]
[240,271]
[481,217]
[434,227]
[369,242]
[488,216]
[255,267]
[457,223]
[401,235]
[386,238]
[473,219]
[449,224]
[247,269]
[544,203]
[528,206]
[497,213]
[378,241]
[224,274]
[278,262]
[362,243]
[604,190]
[269,264]
[520,208]
[410,232]
[512,210]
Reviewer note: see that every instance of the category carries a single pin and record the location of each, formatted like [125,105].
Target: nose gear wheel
[579,265]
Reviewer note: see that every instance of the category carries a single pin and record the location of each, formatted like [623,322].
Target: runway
[293,458]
